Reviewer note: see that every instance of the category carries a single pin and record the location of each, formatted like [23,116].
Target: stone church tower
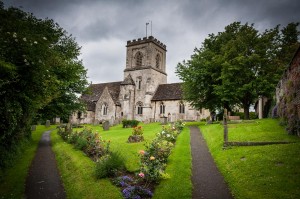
[143,94]
[145,71]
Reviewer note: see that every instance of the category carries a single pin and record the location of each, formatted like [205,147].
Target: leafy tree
[235,67]
[38,67]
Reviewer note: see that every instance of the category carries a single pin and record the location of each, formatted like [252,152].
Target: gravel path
[43,180]
[207,181]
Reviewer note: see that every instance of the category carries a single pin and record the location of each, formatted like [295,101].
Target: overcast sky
[102,27]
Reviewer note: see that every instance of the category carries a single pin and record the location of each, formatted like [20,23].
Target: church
[144,93]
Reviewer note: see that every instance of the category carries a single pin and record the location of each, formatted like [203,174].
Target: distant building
[143,94]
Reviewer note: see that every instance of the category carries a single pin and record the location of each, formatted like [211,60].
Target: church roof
[168,92]
[96,91]
[128,81]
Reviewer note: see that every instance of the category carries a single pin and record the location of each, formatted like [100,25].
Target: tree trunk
[246,111]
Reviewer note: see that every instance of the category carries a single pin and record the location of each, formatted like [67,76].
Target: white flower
[24,39]
[44,38]
[25,60]
[163,132]
[14,35]
[16,40]
[35,42]
[168,135]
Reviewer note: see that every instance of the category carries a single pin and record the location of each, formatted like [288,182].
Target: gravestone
[33,127]
[105,125]
[164,120]
[47,123]
[225,118]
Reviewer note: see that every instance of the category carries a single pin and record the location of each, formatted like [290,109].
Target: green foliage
[179,169]
[154,158]
[108,165]
[129,123]
[17,164]
[78,173]
[236,66]
[137,135]
[38,67]
[252,115]
[138,130]
[87,141]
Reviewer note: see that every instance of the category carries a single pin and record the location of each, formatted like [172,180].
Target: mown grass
[12,183]
[129,151]
[77,170]
[179,184]
[267,172]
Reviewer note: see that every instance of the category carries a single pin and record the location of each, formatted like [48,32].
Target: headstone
[225,117]
[105,125]
[47,123]
[164,120]
[33,127]
[57,120]
[68,128]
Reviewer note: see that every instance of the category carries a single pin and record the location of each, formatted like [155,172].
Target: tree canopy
[39,69]
[237,66]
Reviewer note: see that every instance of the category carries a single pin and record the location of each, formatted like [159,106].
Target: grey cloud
[102,27]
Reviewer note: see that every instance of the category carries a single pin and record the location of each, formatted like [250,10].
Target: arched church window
[162,108]
[181,107]
[139,82]
[139,108]
[157,61]
[79,114]
[138,59]
[104,109]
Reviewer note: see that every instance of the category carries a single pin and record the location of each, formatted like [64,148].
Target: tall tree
[38,65]
[243,65]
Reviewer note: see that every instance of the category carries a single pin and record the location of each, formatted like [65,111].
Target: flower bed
[87,141]
[137,135]
[153,161]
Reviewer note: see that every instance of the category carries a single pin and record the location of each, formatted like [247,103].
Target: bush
[129,123]
[87,141]
[137,135]
[154,158]
[108,165]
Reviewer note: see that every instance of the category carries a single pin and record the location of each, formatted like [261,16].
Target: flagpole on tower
[146,27]
[151,28]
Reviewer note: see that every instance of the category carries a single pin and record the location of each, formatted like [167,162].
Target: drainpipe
[154,110]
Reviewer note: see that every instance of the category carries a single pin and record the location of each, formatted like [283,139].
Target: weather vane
[147,23]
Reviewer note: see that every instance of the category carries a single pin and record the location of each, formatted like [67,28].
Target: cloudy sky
[102,27]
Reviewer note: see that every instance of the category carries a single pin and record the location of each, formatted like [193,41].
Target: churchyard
[270,171]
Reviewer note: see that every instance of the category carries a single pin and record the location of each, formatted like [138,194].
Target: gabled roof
[168,92]
[128,81]
[96,91]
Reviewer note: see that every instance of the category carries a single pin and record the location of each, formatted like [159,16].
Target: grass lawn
[12,183]
[179,184]
[77,170]
[118,137]
[267,172]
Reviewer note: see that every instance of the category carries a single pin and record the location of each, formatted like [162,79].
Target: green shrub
[108,165]
[252,115]
[81,143]
[129,123]
[87,141]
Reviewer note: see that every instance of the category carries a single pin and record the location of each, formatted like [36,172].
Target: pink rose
[142,175]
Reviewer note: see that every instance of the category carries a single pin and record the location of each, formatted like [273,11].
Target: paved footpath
[207,181]
[43,180]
